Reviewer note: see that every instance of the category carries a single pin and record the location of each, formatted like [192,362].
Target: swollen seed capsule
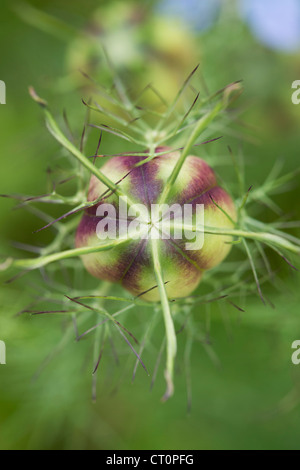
[185,254]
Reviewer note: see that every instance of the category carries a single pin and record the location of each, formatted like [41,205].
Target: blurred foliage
[252,401]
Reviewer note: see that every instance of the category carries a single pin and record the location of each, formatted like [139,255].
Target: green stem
[67,144]
[60,137]
[198,129]
[169,325]
[268,238]
[201,125]
[44,260]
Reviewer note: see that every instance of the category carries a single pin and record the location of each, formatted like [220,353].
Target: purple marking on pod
[131,264]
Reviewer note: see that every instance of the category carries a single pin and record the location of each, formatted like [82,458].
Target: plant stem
[169,325]
[198,129]
[60,137]
[67,144]
[201,125]
[44,260]
[268,238]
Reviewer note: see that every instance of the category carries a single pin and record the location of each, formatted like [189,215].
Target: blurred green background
[252,400]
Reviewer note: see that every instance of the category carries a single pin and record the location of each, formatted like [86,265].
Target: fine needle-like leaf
[202,124]
[253,270]
[66,143]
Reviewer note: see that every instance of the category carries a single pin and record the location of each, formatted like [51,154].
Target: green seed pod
[195,193]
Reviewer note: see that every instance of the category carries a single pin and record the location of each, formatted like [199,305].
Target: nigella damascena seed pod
[194,200]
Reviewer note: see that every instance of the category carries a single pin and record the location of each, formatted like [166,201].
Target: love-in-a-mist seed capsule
[131,263]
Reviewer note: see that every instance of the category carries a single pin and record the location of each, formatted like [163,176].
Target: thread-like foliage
[185,124]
